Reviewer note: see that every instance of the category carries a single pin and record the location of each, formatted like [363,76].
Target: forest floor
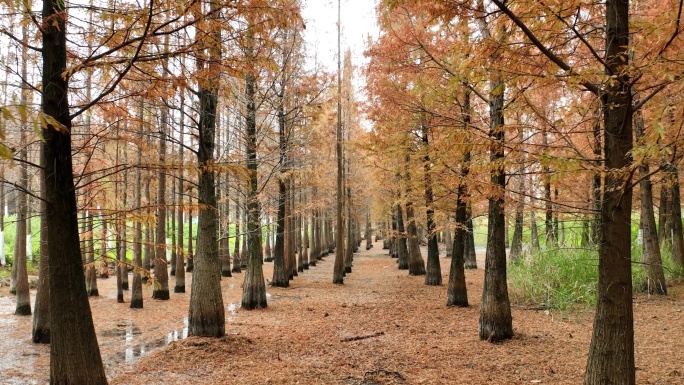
[381,327]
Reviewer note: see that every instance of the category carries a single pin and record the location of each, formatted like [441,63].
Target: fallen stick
[357,338]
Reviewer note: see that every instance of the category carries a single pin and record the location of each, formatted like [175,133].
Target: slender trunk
[470,254]
[161,274]
[516,243]
[21,285]
[41,315]
[675,215]
[653,264]
[416,262]
[596,199]
[136,291]
[267,248]
[534,231]
[253,288]
[402,247]
[457,293]
[179,286]
[433,275]
[149,237]
[91,285]
[665,217]
[191,253]
[236,246]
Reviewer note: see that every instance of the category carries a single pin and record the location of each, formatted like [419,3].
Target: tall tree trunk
[122,269]
[653,263]
[253,288]
[402,246]
[496,322]
[207,315]
[268,257]
[516,243]
[149,236]
[457,293]
[191,253]
[161,274]
[675,215]
[41,316]
[470,254]
[136,290]
[596,182]
[534,231]
[280,271]
[179,286]
[224,229]
[23,305]
[91,283]
[433,274]
[237,265]
[74,353]
[416,262]
[611,354]
[665,217]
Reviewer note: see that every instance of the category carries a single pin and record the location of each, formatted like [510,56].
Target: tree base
[338,281]
[41,336]
[13,291]
[161,294]
[136,304]
[236,270]
[300,269]
[416,271]
[305,266]
[23,309]
[94,293]
[277,283]
[172,272]
[403,266]
[124,286]
[470,265]
[226,273]
[179,289]
[120,298]
[433,280]
[457,300]
[347,269]
[268,259]
[312,263]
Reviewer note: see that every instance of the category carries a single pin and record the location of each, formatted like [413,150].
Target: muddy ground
[381,327]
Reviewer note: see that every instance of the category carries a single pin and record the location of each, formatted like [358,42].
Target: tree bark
[470,254]
[161,274]
[254,287]
[496,322]
[41,316]
[611,354]
[207,315]
[433,275]
[402,246]
[74,353]
[675,215]
[653,263]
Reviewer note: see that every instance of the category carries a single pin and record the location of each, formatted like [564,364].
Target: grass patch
[555,279]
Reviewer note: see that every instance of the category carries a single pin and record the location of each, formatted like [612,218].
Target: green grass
[555,279]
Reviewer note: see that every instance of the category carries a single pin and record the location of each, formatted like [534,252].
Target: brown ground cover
[381,327]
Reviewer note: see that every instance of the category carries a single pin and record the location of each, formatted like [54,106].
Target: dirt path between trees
[381,327]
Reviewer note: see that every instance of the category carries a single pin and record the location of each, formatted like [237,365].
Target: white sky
[358,21]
